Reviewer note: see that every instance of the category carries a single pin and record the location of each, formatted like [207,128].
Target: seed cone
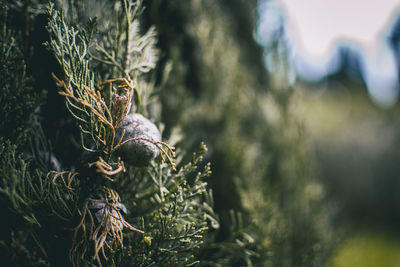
[140,150]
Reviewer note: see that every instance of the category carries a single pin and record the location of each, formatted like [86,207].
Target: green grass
[368,250]
[340,122]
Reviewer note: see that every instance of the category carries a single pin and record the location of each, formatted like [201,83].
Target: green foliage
[261,166]
[37,212]
[237,248]
[168,206]
[264,206]
[15,177]
[70,47]
[17,98]
[173,213]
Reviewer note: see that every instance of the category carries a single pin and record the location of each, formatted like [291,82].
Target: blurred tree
[261,168]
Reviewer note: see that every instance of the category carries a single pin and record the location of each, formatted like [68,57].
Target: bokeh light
[315,32]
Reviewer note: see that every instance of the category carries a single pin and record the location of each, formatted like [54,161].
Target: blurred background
[343,61]
[298,104]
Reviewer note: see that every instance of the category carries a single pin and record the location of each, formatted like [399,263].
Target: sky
[315,30]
